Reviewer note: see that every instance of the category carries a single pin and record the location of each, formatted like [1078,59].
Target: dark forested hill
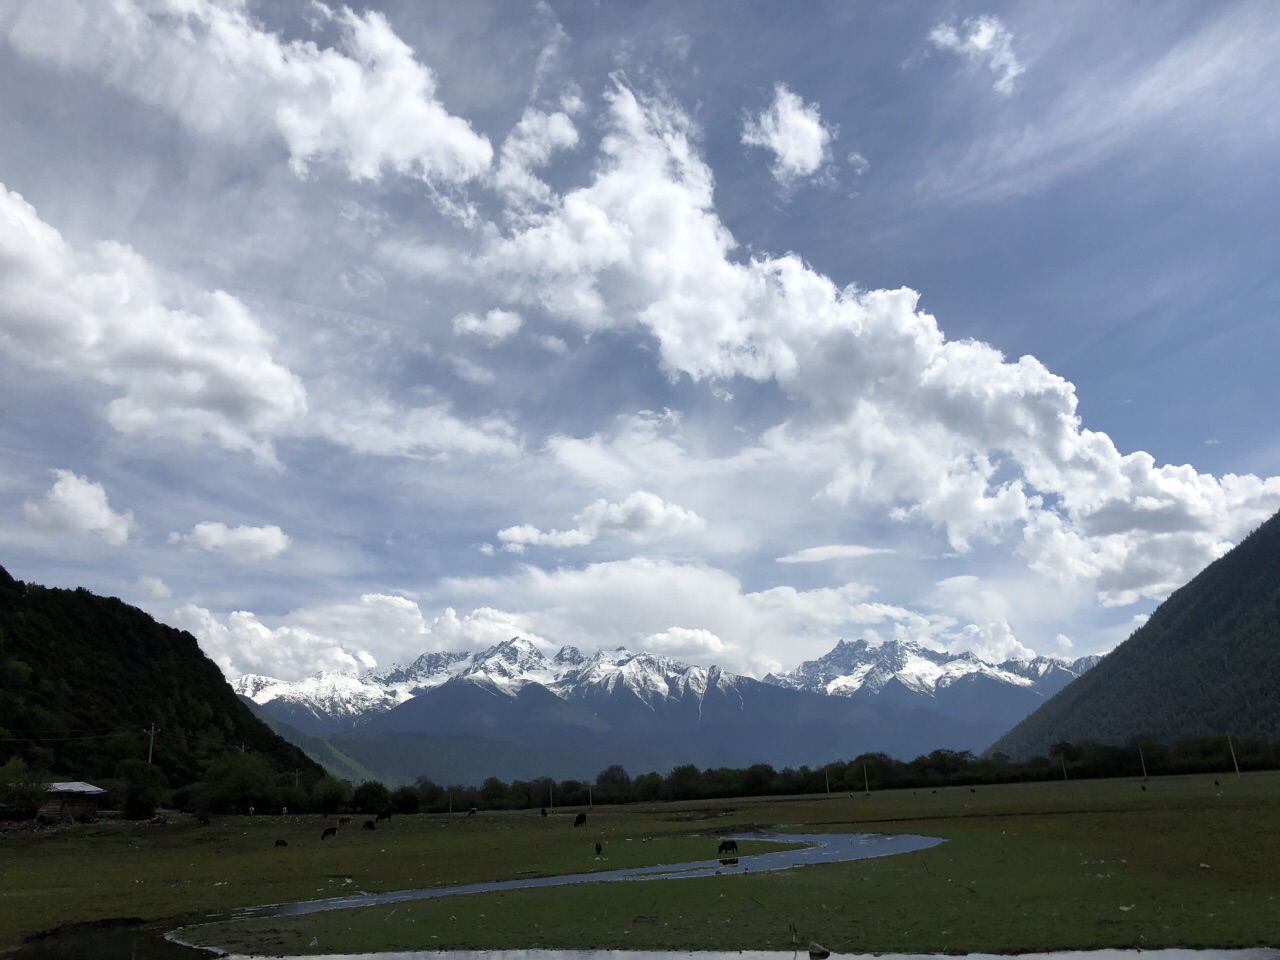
[82,675]
[1208,661]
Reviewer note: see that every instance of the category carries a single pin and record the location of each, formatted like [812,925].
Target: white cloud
[242,543]
[551,343]
[367,105]
[1205,91]
[155,587]
[641,516]
[984,41]
[377,426]
[184,364]
[241,643]
[793,130]
[495,326]
[691,646]
[627,602]
[76,505]
[536,138]
[834,551]
[472,372]
[948,433]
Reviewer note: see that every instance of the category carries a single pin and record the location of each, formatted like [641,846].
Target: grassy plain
[1026,867]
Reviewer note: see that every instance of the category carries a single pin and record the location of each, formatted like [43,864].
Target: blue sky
[339,334]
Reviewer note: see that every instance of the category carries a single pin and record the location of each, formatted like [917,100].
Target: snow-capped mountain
[633,693]
[325,701]
[856,668]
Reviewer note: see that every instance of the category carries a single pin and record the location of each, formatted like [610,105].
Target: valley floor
[1026,867]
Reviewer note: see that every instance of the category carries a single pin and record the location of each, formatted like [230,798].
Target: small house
[69,800]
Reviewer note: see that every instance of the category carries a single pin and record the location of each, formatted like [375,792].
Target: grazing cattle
[599,848]
[544,811]
[283,843]
[368,825]
[1144,786]
[204,821]
[329,832]
[472,812]
[384,815]
[973,789]
[728,846]
[1216,783]
[580,819]
[343,821]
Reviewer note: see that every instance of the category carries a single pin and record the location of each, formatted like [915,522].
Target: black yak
[368,825]
[580,819]
[282,843]
[329,832]
[728,846]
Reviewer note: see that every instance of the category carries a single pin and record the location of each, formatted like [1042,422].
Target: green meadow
[1025,867]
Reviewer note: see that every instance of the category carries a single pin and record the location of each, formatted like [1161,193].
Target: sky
[336,335]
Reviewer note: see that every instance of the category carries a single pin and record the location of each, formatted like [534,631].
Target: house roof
[74,786]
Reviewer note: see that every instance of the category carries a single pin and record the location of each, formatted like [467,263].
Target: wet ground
[147,942]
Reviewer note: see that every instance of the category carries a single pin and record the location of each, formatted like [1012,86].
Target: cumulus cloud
[77,505]
[983,41]
[494,327]
[242,543]
[536,138]
[945,432]
[367,105]
[834,551]
[641,516]
[684,605]
[241,643]
[185,364]
[793,130]
[354,636]
[156,588]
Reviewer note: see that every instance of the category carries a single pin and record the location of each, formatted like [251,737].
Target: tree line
[237,783]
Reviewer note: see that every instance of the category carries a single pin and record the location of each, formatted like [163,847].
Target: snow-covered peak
[509,665]
[569,656]
[857,666]
[428,670]
[251,685]
[648,676]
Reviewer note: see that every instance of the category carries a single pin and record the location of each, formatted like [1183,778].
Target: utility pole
[866,784]
[152,745]
[589,803]
[827,779]
[552,790]
[1063,758]
[1142,760]
[296,771]
[451,801]
[1235,763]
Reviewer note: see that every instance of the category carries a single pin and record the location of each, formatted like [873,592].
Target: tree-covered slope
[1208,661]
[81,676]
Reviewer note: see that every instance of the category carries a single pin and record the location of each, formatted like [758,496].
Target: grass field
[1026,867]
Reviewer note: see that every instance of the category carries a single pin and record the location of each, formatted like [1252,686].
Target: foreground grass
[89,873]
[1027,867]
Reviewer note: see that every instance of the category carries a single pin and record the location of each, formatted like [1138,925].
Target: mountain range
[513,712]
